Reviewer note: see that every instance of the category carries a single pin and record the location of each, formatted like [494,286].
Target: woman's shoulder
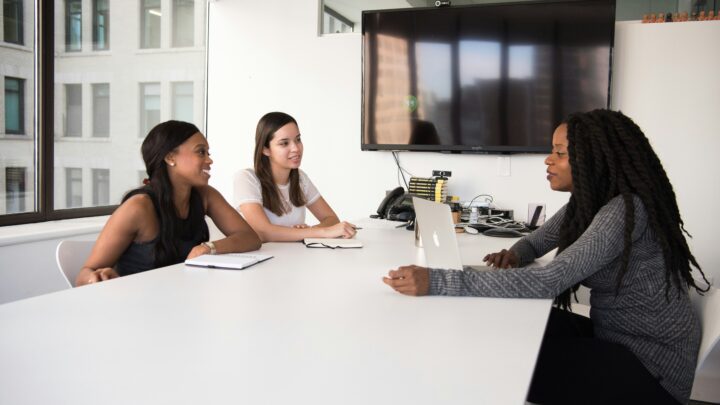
[304,178]
[618,203]
[137,207]
[247,175]
[617,206]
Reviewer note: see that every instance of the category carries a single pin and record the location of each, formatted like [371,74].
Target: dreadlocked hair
[609,157]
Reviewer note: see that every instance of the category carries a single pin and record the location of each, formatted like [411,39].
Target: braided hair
[609,157]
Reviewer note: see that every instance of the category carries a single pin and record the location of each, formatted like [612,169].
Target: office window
[101,187]
[182,101]
[73,187]
[89,123]
[14,105]
[13,21]
[101,25]
[73,25]
[150,107]
[151,14]
[101,110]
[15,189]
[73,110]
[183,22]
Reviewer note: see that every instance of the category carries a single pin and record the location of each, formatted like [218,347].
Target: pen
[357,228]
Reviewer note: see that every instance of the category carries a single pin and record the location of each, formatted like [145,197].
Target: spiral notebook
[237,261]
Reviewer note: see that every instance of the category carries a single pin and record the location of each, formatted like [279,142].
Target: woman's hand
[96,276]
[340,230]
[199,250]
[503,259]
[409,280]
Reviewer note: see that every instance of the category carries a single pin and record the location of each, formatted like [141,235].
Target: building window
[101,25]
[14,189]
[73,110]
[14,105]
[182,93]
[335,23]
[73,25]
[13,21]
[101,110]
[150,107]
[101,187]
[150,24]
[73,187]
[183,22]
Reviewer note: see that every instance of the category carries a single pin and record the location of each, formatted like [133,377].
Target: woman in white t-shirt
[273,197]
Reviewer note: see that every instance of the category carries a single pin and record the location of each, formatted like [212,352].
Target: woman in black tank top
[163,222]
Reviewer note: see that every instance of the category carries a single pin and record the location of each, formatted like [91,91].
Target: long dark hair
[610,156]
[266,128]
[161,140]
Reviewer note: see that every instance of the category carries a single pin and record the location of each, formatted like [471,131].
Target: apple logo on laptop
[436,239]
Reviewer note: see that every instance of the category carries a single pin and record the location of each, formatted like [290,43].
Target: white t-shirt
[247,189]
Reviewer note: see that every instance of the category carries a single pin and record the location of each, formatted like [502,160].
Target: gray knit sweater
[662,331]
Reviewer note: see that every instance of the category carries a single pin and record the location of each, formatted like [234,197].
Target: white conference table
[308,326]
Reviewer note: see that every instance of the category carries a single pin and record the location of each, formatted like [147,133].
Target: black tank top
[140,256]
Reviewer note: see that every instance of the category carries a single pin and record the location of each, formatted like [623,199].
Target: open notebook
[235,261]
[332,243]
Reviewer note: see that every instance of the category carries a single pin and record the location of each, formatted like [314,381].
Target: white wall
[266,56]
[661,81]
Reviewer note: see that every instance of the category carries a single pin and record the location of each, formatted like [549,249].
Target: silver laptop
[436,228]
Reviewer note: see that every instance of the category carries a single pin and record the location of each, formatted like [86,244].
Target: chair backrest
[707,307]
[70,256]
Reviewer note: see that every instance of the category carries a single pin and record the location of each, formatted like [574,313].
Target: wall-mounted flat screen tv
[494,78]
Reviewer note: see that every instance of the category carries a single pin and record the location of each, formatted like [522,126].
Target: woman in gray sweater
[621,236]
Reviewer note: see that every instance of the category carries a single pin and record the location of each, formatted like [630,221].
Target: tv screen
[484,78]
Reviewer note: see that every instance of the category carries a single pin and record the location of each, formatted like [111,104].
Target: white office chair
[707,308]
[70,256]
[707,373]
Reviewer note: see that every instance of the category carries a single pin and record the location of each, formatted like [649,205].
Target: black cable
[480,195]
[400,169]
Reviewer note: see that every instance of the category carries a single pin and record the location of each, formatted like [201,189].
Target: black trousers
[576,368]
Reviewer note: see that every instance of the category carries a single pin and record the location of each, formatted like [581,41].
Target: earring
[172,164]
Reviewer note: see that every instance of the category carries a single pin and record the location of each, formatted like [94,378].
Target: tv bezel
[465,149]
